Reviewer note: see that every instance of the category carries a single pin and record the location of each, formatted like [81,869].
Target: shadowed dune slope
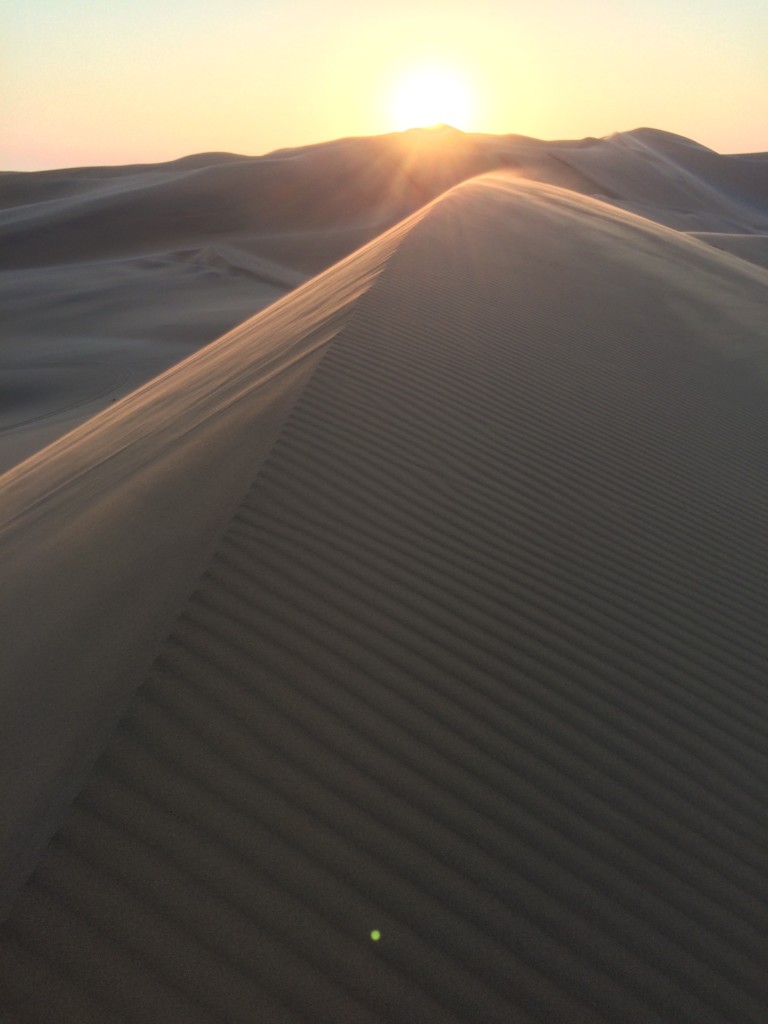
[478,661]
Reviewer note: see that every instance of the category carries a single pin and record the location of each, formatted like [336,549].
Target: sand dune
[431,601]
[676,182]
[110,275]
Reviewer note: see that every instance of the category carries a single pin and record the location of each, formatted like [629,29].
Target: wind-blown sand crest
[462,641]
[110,275]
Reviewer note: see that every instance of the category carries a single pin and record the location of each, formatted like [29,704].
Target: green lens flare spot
[375,935]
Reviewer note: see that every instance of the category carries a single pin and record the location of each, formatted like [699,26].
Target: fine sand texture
[419,624]
[110,275]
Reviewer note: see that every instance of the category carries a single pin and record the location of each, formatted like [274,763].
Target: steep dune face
[475,658]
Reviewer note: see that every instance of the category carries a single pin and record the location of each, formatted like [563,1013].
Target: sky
[86,82]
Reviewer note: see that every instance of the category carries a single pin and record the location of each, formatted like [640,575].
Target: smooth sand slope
[474,653]
[110,275]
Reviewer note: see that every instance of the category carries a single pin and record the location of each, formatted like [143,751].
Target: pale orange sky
[86,82]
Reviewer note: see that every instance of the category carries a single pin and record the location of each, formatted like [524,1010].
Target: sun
[431,95]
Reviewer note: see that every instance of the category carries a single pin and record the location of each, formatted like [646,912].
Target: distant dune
[429,601]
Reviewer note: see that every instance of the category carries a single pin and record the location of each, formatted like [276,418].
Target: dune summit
[401,655]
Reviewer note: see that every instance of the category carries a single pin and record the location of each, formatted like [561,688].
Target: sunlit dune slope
[474,654]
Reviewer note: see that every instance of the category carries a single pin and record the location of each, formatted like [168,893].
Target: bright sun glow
[430,96]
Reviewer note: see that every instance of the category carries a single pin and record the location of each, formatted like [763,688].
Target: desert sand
[108,276]
[430,600]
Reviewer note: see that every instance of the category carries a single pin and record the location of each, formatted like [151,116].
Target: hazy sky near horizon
[85,82]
